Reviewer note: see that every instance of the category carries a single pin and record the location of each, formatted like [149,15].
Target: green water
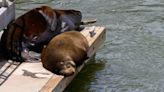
[132,57]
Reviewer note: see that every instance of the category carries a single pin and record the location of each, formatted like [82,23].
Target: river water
[132,57]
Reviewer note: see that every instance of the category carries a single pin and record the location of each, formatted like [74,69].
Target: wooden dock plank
[32,77]
[96,40]
[29,76]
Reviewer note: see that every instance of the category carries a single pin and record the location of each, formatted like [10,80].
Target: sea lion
[36,28]
[64,53]
[66,20]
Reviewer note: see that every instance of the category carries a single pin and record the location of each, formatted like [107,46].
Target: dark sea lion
[20,34]
[64,53]
[36,28]
[65,20]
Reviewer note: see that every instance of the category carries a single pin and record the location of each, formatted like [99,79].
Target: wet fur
[66,47]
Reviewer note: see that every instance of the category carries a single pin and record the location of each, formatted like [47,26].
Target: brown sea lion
[35,28]
[64,53]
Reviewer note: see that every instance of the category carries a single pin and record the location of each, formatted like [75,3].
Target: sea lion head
[67,68]
[41,24]
[33,24]
[60,66]
[64,65]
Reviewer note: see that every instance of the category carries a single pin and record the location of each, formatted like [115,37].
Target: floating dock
[31,76]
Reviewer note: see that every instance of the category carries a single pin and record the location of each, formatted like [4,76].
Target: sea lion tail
[86,22]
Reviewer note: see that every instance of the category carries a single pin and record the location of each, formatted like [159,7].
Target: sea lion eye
[69,66]
[35,37]
[61,63]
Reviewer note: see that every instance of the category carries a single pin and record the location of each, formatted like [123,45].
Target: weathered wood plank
[96,40]
[28,77]
[7,14]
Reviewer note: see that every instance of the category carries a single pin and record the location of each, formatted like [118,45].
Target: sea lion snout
[68,71]
[68,68]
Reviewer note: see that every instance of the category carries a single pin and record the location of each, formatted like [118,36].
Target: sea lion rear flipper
[86,22]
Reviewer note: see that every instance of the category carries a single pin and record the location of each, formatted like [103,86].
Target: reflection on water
[133,52]
[82,81]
